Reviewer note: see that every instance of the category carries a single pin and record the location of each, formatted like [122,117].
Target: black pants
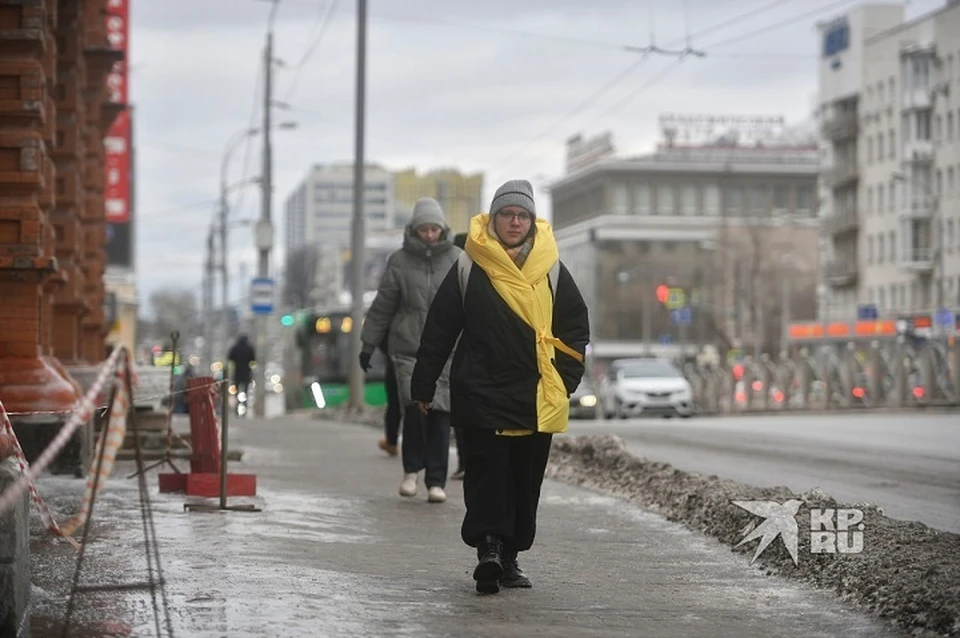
[461,448]
[426,444]
[501,487]
[392,415]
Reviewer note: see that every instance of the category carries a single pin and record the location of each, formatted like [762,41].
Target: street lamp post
[231,146]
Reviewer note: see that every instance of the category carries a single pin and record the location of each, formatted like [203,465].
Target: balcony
[919,207]
[918,260]
[841,126]
[841,272]
[917,99]
[841,175]
[841,223]
[918,151]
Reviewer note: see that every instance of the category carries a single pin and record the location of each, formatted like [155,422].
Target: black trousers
[461,448]
[392,415]
[426,444]
[501,487]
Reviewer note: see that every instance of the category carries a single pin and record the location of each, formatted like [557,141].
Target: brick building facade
[54,115]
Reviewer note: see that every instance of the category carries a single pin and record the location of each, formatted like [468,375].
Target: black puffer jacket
[493,381]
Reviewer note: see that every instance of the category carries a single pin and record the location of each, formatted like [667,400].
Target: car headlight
[588,401]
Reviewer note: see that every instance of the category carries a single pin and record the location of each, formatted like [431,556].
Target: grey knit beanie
[427,211]
[516,192]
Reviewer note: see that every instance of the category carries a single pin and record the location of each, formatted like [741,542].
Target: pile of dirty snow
[907,573]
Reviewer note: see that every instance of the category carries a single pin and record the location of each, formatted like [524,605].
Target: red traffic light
[662,293]
[738,372]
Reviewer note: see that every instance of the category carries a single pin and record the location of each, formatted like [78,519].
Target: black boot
[489,569]
[512,575]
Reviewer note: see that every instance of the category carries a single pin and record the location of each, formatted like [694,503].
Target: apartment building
[890,184]
[319,210]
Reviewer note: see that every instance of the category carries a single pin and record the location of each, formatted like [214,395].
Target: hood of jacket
[414,245]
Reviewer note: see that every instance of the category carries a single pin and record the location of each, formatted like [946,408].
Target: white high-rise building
[320,208]
[890,179]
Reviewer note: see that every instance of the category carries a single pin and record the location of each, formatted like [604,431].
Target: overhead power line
[510,160]
[311,48]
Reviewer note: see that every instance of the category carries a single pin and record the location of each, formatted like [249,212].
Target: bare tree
[174,310]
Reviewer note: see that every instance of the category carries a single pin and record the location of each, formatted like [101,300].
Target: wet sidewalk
[336,552]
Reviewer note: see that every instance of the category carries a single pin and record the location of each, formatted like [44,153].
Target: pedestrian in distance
[408,285]
[523,330]
[242,355]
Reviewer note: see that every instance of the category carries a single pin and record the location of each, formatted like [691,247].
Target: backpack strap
[464,266]
[554,276]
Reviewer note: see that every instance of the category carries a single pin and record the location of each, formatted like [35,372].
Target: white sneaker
[408,486]
[436,495]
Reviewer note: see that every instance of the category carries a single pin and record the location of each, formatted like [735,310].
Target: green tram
[322,360]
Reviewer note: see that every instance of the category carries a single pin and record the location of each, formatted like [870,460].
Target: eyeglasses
[523,218]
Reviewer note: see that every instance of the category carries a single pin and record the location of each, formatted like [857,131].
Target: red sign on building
[117,143]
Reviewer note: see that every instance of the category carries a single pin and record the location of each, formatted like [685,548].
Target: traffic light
[286,321]
[663,292]
[738,371]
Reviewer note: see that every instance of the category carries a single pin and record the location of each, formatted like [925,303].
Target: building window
[735,200]
[869,150]
[711,199]
[665,199]
[619,199]
[688,203]
[893,296]
[937,128]
[641,199]
[758,200]
[869,199]
[882,301]
[880,249]
[781,199]
[923,126]
[893,144]
[950,181]
[869,250]
[939,190]
[893,196]
[880,204]
[949,237]
[893,247]
[805,200]
[879,147]
[949,126]
[893,90]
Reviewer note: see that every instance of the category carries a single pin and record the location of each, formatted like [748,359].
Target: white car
[649,386]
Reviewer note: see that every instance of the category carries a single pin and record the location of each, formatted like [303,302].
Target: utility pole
[208,321]
[264,231]
[357,235]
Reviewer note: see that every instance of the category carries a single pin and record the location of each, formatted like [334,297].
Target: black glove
[364,361]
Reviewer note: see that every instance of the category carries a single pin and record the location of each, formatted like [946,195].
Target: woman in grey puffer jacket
[411,279]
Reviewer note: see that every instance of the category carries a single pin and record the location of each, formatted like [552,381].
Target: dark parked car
[584,403]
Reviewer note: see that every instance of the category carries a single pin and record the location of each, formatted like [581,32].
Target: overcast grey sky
[481,86]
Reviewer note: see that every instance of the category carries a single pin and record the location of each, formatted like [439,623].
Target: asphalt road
[908,463]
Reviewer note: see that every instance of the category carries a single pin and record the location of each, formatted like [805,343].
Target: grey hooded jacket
[410,280]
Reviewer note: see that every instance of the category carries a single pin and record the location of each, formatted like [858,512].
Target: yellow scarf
[527,292]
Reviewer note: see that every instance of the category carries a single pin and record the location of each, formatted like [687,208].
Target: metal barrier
[851,375]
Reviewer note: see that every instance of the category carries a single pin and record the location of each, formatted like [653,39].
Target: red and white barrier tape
[29,473]
[110,441]
[45,514]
